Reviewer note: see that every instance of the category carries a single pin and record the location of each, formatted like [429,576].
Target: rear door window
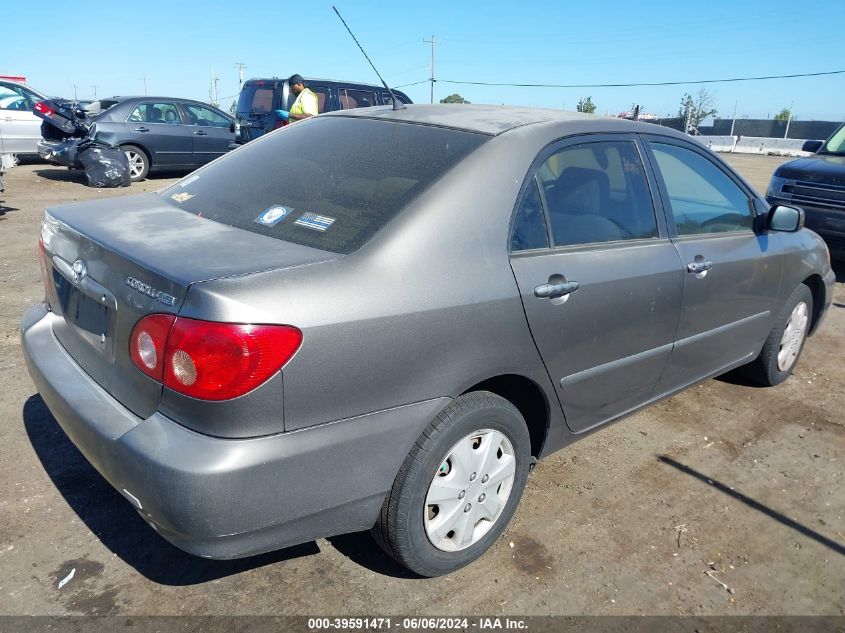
[202,116]
[529,225]
[329,183]
[351,99]
[597,192]
[156,113]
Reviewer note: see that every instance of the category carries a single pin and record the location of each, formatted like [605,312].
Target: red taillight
[148,344]
[42,260]
[44,109]
[45,273]
[211,361]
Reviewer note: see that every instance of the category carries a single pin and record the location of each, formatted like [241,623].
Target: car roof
[122,98]
[23,85]
[320,80]
[495,120]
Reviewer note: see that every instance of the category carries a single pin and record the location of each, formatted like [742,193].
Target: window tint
[330,183]
[156,113]
[200,115]
[255,98]
[597,192]
[14,98]
[350,99]
[703,198]
[386,100]
[529,226]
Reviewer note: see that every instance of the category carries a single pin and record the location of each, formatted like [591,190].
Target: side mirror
[786,219]
[812,146]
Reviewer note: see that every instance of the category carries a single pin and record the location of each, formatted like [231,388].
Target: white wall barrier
[718,143]
[754,145]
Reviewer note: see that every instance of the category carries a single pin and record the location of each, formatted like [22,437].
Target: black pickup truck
[817,184]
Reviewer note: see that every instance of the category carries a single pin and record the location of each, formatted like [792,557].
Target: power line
[416,83]
[633,85]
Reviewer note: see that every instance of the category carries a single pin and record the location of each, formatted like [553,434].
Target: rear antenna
[397,105]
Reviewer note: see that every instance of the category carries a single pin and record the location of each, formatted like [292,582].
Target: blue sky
[563,42]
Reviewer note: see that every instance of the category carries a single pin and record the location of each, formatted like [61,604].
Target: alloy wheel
[136,163]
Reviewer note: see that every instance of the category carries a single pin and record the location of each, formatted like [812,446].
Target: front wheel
[139,163]
[785,342]
[459,486]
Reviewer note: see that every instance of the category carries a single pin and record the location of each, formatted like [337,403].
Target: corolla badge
[79,271]
[146,289]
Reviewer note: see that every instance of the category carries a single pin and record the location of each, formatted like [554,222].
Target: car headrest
[580,191]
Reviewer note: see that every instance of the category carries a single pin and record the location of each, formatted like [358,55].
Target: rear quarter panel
[427,309]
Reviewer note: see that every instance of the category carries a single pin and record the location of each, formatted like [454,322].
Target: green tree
[454,98]
[783,115]
[698,107]
[585,104]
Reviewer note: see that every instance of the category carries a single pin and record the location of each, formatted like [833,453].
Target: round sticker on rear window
[272,216]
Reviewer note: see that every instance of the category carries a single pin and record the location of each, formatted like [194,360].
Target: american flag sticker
[315,221]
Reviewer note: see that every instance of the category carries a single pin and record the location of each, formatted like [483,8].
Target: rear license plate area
[92,320]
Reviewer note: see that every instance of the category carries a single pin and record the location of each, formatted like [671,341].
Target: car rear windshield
[256,98]
[330,183]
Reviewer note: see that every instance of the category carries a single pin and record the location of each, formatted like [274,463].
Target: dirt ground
[726,499]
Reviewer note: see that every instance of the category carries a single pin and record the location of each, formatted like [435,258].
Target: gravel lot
[726,499]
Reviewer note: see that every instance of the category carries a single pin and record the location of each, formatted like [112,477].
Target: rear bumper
[225,498]
[828,223]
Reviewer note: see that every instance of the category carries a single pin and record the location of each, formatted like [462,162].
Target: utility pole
[788,120]
[75,98]
[432,41]
[212,93]
[733,120]
[95,91]
[144,79]
[241,67]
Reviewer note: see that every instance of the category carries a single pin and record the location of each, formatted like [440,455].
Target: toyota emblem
[79,271]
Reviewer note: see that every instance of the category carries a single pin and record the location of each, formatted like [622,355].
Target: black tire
[400,529]
[764,370]
[135,152]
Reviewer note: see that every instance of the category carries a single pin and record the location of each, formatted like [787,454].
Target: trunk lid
[111,262]
[257,105]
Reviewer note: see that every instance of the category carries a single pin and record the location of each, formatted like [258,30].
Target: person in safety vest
[306,101]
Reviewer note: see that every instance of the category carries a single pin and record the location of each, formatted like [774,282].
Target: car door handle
[699,267]
[142,129]
[201,133]
[554,291]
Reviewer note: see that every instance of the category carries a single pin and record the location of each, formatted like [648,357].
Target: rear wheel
[785,342]
[139,162]
[459,486]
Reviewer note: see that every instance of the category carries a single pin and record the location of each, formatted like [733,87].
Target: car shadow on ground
[362,549]
[4,210]
[63,174]
[108,515]
[839,548]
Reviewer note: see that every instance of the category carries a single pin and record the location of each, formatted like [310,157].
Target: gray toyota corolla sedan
[380,319]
